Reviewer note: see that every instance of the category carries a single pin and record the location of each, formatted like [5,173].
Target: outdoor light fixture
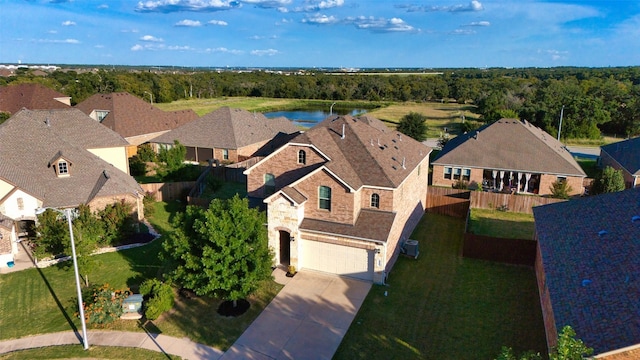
[67,213]
[377,251]
[293,239]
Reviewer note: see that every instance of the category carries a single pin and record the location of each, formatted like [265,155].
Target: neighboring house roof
[131,116]
[510,144]
[6,222]
[626,153]
[228,128]
[31,96]
[368,154]
[590,249]
[30,140]
[5,241]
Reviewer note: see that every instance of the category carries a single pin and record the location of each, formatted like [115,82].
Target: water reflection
[308,118]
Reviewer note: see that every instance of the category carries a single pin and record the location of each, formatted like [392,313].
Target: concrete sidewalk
[184,348]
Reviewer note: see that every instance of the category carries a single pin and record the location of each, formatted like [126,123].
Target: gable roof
[228,128]
[510,144]
[30,139]
[593,279]
[31,96]
[369,153]
[626,153]
[132,116]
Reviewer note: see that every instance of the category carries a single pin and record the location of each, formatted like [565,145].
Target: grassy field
[39,301]
[94,352]
[439,115]
[501,224]
[441,306]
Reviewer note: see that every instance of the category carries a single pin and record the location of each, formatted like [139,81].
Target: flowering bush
[103,304]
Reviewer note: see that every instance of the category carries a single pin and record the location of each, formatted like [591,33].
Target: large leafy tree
[221,251]
[413,125]
[608,180]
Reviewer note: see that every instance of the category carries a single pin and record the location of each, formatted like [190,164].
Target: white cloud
[217,22]
[267,52]
[320,19]
[462,32]
[479,23]
[52,31]
[103,6]
[180,48]
[555,54]
[168,6]
[268,4]
[380,24]
[472,6]
[137,47]
[223,50]
[188,23]
[68,23]
[319,5]
[151,38]
[54,41]
[99,46]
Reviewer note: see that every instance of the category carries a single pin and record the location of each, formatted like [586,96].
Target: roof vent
[602,233]
[635,218]
[342,137]
[586,282]
[371,142]
[403,160]
[106,175]
[47,121]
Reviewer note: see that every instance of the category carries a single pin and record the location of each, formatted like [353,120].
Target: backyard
[502,224]
[442,306]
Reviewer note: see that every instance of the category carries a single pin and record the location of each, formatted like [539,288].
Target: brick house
[136,120]
[8,240]
[508,155]
[31,96]
[588,271]
[625,156]
[61,159]
[343,196]
[226,135]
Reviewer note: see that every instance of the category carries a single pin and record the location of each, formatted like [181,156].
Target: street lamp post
[67,214]
[150,96]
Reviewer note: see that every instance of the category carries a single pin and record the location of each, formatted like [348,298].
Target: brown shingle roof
[626,153]
[31,96]
[368,225]
[132,116]
[510,144]
[28,142]
[370,153]
[227,128]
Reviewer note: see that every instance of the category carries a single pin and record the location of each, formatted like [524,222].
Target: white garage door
[337,259]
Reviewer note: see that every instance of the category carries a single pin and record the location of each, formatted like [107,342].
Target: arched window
[269,184]
[375,201]
[302,157]
[324,197]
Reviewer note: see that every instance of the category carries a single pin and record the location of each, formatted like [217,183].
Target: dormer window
[63,168]
[302,157]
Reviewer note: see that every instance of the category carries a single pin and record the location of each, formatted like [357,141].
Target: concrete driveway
[306,320]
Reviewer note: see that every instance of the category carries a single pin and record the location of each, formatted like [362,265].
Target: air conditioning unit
[410,248]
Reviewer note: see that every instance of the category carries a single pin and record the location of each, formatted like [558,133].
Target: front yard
[442,306]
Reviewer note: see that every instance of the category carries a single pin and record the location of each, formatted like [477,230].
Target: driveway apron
[306,320]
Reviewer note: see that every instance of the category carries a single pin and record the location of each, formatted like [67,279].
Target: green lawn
[94,352]
[590,166]
[501,224]
[39,301]
[227,191]
[441,306]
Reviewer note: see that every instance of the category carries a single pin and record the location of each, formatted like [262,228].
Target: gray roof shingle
[228,128]
[626,153]
[29,140]
[590,249]
[510,144]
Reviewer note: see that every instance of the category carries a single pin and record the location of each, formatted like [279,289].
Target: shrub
[560,190]
[137,167]
[158,296]
[103,304]
[146,153]
[117,220]
[148,200]
[460,184]
[608,180]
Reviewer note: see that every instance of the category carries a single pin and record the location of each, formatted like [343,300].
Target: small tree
[560,189]
[608,180]
[414,125]
[569,348]
[146,153]
[221,251]
[159,298]
[88,234]
[52,234]
[173,157]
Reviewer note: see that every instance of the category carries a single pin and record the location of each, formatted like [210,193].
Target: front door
[285,248]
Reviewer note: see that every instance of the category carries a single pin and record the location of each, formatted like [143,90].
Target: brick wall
[284,166]
[100,203]
[575,182]
[342,201]
[545,302]
[386,198]
[247,151]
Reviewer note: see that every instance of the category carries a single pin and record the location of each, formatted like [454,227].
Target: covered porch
[509,181]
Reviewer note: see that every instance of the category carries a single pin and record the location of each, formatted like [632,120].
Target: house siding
[573,181]
[99,203]
[19,205]
[283,215]
[342,201]
[545,302]
[116,156]
[438,179]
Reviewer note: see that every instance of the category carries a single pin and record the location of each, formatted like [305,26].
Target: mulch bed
[226,308]
[137,238]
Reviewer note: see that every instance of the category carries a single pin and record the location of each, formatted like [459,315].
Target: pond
[308,118]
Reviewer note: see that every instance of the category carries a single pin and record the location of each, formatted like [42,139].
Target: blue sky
[322,33]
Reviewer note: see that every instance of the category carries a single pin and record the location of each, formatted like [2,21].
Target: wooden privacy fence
[512,203]
[169,191]
[510,251]
[447,201]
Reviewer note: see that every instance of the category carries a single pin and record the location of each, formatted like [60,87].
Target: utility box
[132,307]
[411,248]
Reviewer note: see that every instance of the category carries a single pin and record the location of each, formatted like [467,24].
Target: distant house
[588,271]
[623,155]
[31,96]
[343,196]
[8,241]
[226,135]
[61,159]
[133,118]
[508,155]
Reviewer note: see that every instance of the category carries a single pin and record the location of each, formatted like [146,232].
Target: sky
[322,33]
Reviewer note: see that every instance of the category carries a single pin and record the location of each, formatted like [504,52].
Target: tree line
[591,101]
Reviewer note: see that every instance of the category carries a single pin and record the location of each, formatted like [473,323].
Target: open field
[442,306]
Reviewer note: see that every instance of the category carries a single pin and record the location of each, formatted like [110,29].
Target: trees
[568,348]
[413,125]
[608,180]
[221,251]
[560,189]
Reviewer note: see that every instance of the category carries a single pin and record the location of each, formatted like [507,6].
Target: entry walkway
[306,320]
